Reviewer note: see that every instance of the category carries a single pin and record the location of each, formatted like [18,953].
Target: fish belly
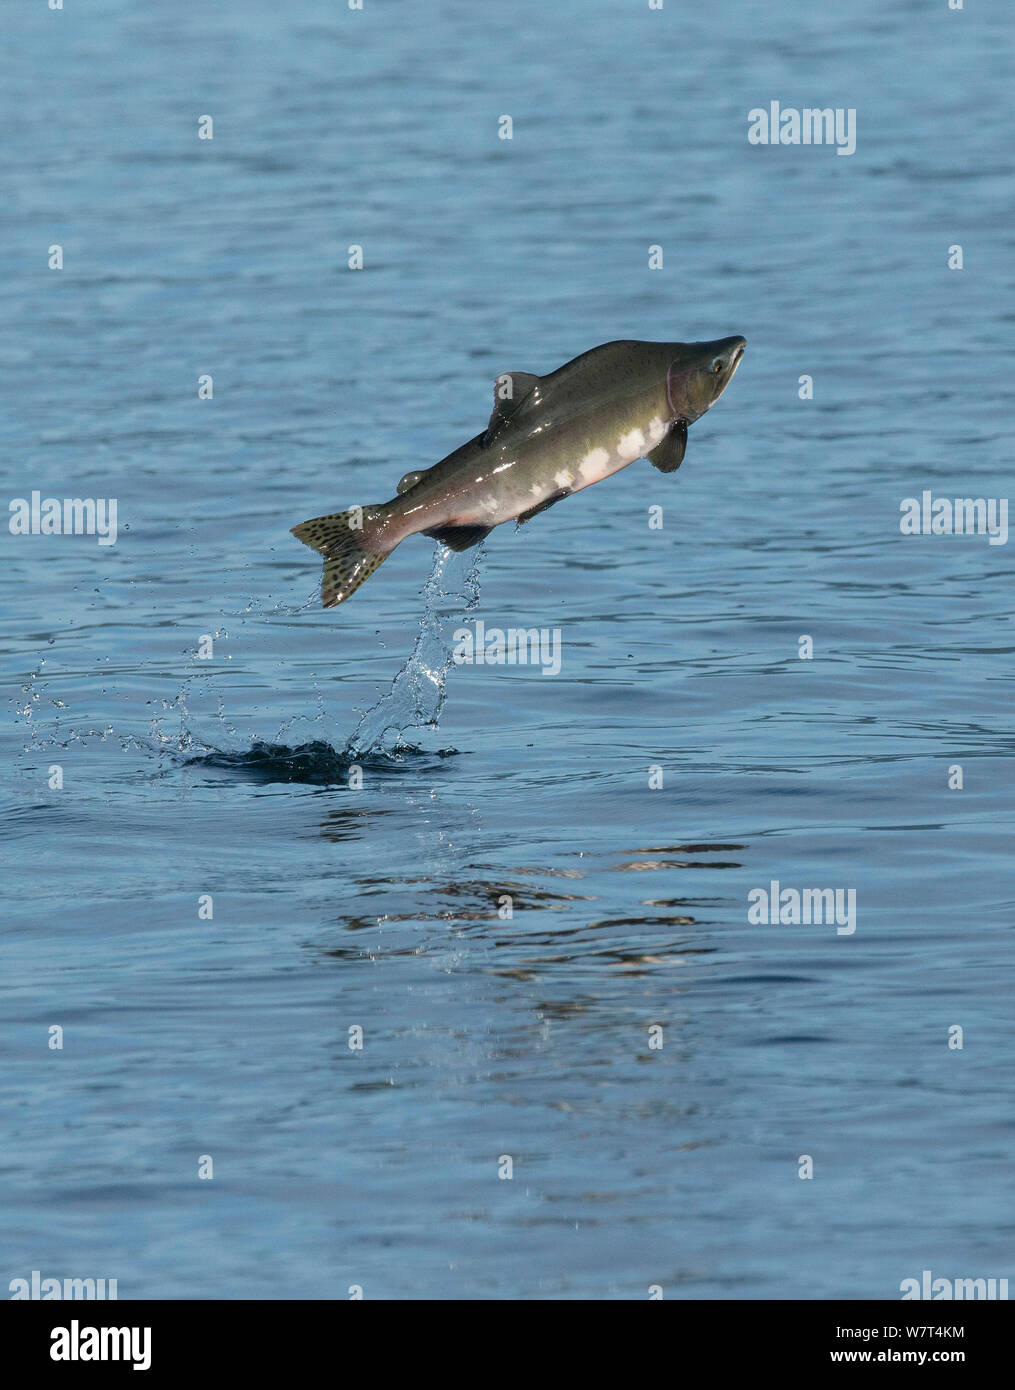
[504,482]
[571,469]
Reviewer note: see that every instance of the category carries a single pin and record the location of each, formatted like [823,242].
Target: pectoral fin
[669,455]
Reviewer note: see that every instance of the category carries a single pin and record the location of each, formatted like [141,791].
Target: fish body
[547,438]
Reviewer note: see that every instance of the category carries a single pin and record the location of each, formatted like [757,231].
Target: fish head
[699,373]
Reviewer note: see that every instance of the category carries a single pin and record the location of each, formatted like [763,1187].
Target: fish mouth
[735,348]
[735,351]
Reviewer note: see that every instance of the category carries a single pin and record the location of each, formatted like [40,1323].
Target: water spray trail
[417,693]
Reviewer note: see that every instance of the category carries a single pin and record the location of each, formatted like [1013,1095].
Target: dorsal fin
[509,390]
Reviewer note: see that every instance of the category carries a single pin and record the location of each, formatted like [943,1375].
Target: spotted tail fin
[349,543]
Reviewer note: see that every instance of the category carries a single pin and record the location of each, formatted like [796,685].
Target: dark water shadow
[316,763]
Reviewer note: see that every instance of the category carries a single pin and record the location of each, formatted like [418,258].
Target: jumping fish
[548,436]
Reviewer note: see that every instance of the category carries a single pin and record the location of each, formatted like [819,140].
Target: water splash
[417,693]
[413,702]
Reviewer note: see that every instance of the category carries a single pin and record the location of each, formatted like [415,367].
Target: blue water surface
[511,1126]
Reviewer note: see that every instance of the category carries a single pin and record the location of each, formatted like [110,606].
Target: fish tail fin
[349,542]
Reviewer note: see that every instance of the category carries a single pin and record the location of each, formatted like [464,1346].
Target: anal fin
[542,506]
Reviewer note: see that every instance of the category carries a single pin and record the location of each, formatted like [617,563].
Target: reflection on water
[512,914]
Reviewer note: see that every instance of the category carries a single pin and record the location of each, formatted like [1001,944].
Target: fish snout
[699,376]
[728,352]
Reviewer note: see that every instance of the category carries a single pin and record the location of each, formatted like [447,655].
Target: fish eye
[718,365]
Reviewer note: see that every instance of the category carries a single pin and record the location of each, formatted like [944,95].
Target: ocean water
[617,1087]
